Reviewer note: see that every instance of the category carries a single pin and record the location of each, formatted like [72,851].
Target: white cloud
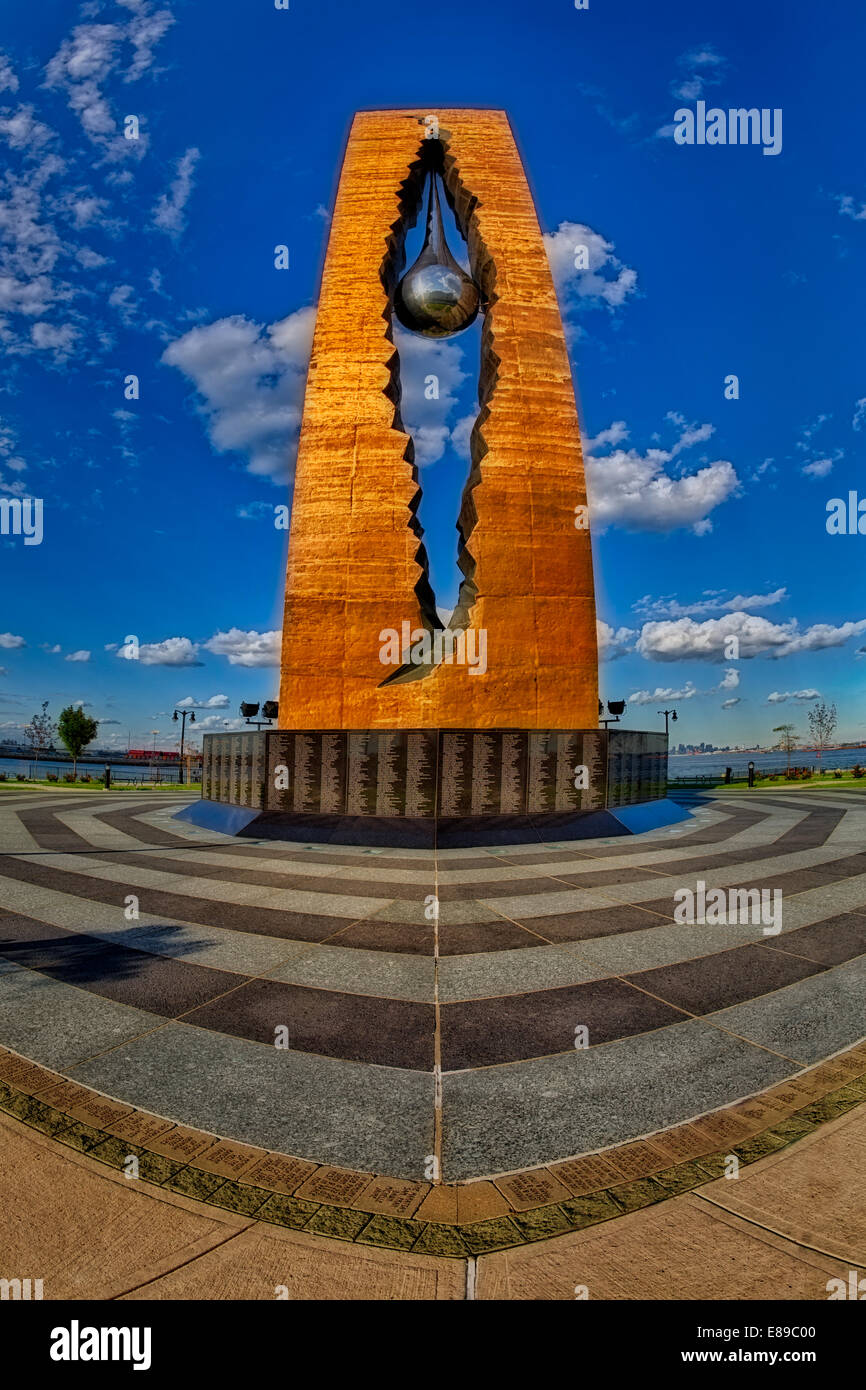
[11,643]
[684,639]
[428,419]
[173,651]
[729,704]
[859,414]
[77,656]
[648,697]
[251,380]
[804,696]
[848,207]
[819,468]
[635,491]
[215,702]
[60,338]
[95,53]
[246,648]
[214,723]
[8,80]
[730,680]
[699,69]
[168,213]
[670,607]
[613,642]
[605,281]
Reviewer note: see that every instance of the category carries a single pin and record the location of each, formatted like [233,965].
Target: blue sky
[155,257]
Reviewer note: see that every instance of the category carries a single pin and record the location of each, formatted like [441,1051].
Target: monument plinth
[389,722]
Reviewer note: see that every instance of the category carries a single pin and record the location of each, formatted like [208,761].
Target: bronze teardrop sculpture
[436,297]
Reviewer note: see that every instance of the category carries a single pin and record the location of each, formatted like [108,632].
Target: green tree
[76,729]
[40,732]
[788,737]
[822,725]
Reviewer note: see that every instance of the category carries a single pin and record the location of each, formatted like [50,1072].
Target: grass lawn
[776,784]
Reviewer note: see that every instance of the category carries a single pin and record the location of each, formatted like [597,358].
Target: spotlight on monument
[248,711]
[270,709]
[615,710]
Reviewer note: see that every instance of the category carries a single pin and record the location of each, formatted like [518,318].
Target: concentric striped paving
[416,1014]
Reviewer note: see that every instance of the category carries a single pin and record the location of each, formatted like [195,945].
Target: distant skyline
[154,258]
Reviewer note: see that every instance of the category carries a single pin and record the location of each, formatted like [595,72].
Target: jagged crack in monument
[384,714]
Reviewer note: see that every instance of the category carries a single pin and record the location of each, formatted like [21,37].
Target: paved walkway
[425,1091]
[781,1231]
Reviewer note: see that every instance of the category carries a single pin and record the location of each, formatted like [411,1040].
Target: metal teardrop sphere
[436,297]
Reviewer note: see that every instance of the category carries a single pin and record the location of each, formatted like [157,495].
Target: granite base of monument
[422,787]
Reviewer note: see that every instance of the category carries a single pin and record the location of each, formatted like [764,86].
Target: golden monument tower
[357,564]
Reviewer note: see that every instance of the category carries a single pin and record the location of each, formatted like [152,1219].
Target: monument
[388,718]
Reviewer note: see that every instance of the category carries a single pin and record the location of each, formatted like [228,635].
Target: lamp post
[183,713]
[666,712]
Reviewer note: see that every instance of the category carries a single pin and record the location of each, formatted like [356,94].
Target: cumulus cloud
[250,380]
[683,639]
[173,651]
[77,656]
[246,648]
[859,419]
[613,642]
[640,493]
[605,282]
[10,642]
[168,214]
[729,704]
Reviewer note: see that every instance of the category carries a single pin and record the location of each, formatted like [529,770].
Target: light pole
[183,713]
[153,757]
[666,712]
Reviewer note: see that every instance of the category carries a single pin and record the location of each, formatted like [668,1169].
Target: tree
[76,729]
[822,725]
[40,732]
[787,741]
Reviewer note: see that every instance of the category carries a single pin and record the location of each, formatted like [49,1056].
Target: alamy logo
[736,126]
[77,1343]
[20,1290]
[22,516]
[424,648]
[736,907]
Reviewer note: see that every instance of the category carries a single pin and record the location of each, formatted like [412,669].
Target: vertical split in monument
[356,562]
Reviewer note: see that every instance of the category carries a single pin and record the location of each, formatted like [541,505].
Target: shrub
[21,776]
[2,776]
[68,777]
[858,771]
[52,776]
